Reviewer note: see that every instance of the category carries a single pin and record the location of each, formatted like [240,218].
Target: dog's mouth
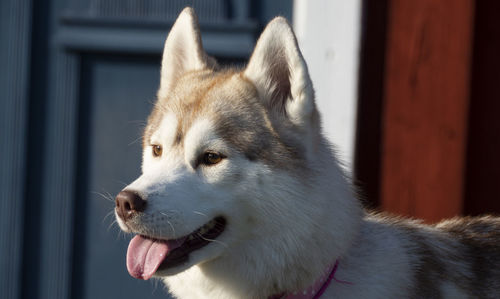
[146,255]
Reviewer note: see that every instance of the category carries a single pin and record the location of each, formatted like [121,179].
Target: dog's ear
[183,51]
[280,73]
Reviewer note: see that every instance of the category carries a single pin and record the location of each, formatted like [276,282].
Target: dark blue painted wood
[72,105]
[59,179]
[217,39]
[39,84]
[117,96]
[208,10]
[15,41]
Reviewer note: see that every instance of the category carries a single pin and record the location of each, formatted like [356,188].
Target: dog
[241,196]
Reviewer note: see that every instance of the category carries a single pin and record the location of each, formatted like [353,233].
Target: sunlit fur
[290,210]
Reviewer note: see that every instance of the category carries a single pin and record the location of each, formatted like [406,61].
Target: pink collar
[315,291]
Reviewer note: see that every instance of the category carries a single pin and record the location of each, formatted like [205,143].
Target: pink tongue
[144,256]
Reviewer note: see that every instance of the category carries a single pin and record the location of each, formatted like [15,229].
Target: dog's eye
[157,150]
[211,158]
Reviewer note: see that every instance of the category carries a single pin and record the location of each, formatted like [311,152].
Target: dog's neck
[223,279]
[314,291]
[317,289]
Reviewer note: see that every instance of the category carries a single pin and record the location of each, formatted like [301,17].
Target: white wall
[328,32]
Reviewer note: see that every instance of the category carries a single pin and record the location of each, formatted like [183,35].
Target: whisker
[170,212]
[107,197]
[111,225]
[120,235]
[171,225]
[173,229]
[134,141]
[107,215]
[110,196]
[137,121]
[200,213]
[212,240]
[121,182]
[155,285]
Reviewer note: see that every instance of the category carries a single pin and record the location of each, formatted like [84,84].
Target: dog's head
[230,158]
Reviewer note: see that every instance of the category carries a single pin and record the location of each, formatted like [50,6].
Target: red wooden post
[425,107]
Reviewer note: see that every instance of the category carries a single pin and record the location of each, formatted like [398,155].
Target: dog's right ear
[183,51]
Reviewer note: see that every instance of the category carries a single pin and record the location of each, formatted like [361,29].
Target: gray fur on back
[463,252]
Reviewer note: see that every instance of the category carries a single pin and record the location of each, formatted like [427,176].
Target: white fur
[165,135]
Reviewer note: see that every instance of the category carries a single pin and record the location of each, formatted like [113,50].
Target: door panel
[119,92]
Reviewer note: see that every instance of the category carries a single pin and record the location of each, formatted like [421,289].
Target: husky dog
[241,196]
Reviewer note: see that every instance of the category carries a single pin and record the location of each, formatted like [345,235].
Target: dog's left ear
[183,51]
[280,74]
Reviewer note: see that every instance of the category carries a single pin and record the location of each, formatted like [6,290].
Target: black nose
[128,203]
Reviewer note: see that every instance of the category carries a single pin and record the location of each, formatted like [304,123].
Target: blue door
[78,81]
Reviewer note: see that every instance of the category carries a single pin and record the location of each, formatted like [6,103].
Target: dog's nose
[128,203]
